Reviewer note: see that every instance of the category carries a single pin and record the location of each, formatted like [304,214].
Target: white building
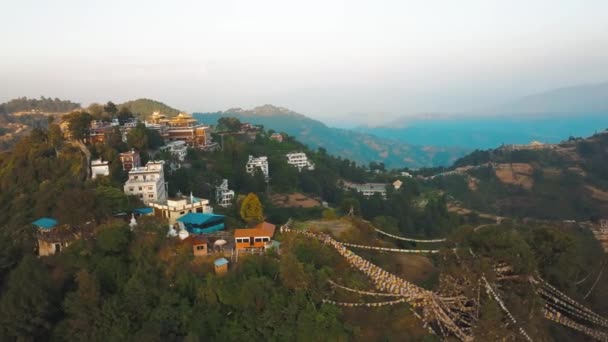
[299,160]
[257,163]
[99,168]
[148,183]
[177,148]
[223,195]
[368,189]
[174,208]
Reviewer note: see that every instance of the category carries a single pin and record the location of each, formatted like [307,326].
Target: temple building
[183,127]
[148,183]
[223,195]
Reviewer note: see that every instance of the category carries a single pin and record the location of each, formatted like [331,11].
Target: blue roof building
[220,262]
[199,223]
[143,211]
[45,223]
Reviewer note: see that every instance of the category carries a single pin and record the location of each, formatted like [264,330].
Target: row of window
[257,239]
[140,188]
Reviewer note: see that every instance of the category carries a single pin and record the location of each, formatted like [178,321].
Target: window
[200,247]
[182,212]
[140,188]
[150,195]
[141,196]
[266,239]
[149,188]
[130,188]
[258,239]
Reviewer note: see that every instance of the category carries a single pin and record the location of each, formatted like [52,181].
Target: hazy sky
[324,58]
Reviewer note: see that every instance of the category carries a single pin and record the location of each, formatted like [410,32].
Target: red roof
[263,229]
[195,240]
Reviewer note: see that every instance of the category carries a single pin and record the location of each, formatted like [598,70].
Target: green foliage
[79,123]
[229,124]
[142,108]
[44,104]
[251,209]
[137,138]
[29,302]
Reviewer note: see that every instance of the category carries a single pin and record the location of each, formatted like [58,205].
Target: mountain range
[356,146]
[548,117]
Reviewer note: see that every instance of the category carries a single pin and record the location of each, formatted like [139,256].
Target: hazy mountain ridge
[548,117]
[357,146]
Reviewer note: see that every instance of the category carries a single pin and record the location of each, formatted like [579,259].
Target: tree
[154,138]
[28,303]
[124,115]
[75,206]
[110,108]
[138,137]
[79,123]
[251,209]
[55,136]
[229,124]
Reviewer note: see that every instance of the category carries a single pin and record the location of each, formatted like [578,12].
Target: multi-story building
[257,163]
[299,160]
[181,128]
[178,149]
[148,183]
[223,195]
[368,189]
[174,208]
[99,131]
[130,160]
[99,168]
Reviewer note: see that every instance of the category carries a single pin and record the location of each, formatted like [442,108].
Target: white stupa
[183,234]
[133,222]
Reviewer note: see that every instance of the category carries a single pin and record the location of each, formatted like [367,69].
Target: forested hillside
[563,181]
[141,108]
[42,105]
[136,283]
[357,146]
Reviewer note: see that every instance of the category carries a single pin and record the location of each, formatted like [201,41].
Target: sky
[337,61]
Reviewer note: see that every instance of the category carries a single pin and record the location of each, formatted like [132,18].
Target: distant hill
[144,107]
[43,105]
[548,117]
[360,147]
[562,181]
[576,100]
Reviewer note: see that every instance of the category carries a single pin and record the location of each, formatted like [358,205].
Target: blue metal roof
[144,211]
[220,262]
[198,218]
[45,223]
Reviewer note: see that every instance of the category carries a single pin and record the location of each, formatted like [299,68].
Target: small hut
[221,266]
[54,239]
[199,244]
